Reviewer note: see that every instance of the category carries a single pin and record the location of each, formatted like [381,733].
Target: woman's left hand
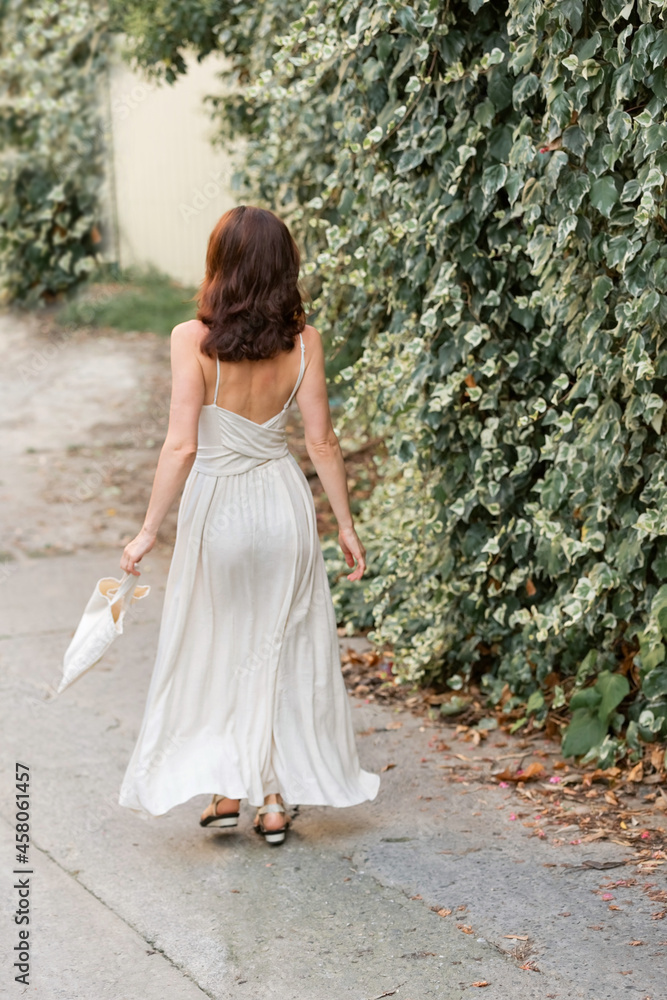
[135,550]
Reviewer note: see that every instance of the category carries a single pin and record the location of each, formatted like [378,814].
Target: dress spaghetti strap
[217,381]
[300,375]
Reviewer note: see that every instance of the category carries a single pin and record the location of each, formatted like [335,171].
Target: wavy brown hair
[250,299]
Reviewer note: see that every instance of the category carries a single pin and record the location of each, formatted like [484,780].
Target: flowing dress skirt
[247,695]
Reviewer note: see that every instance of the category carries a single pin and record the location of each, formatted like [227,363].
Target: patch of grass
[146,301]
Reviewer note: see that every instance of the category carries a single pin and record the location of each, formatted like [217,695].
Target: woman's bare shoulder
[192,331]
[311,338]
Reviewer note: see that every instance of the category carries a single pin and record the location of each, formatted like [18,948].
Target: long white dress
[247,696]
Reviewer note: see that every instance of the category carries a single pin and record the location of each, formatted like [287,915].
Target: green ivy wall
[480,188]
[52,60]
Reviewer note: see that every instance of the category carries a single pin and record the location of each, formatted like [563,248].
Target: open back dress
[247,696]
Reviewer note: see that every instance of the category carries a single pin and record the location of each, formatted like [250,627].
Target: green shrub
[52,57]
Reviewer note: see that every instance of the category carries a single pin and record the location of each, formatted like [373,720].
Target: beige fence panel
[167,185]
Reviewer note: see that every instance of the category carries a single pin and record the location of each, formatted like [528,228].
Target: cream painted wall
[168,185]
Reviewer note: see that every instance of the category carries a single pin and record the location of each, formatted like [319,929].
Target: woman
[247,698]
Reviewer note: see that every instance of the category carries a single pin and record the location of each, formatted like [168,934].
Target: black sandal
[220,820]
[272,837]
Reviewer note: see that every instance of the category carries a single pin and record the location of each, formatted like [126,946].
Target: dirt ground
[83,417]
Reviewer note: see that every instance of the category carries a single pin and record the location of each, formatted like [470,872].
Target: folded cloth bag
[102,621]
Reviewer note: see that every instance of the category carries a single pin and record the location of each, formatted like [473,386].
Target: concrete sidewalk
[134,909]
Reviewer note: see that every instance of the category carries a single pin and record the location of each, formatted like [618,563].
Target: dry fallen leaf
[637,772]
[481,982]
[517,937]
[387,767]
[530,773]
[443,912]
[466,928]
[636,944]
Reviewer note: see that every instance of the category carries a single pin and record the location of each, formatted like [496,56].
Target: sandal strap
[271,807]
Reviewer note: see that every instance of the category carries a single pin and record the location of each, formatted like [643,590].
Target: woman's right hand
[352,549]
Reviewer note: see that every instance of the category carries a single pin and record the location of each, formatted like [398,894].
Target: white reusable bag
[101,622]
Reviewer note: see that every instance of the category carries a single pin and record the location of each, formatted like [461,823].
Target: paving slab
[79,946]
[347,908]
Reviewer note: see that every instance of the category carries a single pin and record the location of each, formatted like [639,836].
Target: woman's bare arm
[180,445]
[325,453]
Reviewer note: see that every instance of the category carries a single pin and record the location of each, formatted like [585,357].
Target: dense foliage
[481,188]
[51,60]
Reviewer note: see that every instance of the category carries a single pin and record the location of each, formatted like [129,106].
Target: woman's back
[256,390]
